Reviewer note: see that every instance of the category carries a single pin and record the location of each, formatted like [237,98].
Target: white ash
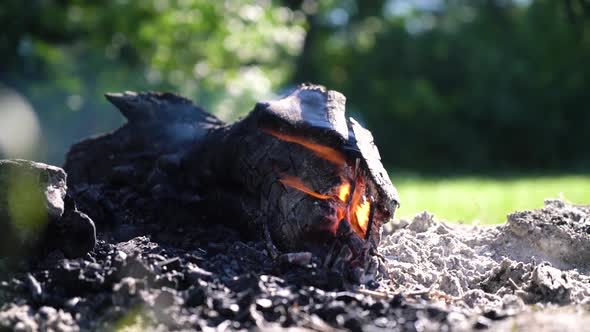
[21,317]
[540,256]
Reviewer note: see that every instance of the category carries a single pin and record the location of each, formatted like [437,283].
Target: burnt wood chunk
[309,107]
[291,171]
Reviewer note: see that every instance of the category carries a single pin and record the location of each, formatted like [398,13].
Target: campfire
[295,171]
[175,193]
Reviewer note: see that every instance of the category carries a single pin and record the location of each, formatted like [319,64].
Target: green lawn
[485,200]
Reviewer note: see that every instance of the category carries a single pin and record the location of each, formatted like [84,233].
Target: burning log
[294,171]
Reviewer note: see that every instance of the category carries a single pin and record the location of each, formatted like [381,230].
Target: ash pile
[533,271]
[178,221]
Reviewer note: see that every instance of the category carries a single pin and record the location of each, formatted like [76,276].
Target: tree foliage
[456,85]
[464,85]
[63,55]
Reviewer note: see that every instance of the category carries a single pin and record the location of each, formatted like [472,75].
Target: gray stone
[31,197]
[35,179]
[35,212]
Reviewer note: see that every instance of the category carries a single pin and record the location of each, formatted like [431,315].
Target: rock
[31,197]
[45,182]
[77,233]
[35,212]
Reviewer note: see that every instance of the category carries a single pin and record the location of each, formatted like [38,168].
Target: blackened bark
[173,163]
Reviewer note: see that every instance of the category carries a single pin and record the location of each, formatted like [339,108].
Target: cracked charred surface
[262,149]
[172,151]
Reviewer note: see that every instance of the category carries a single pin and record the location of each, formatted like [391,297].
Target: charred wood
[291,171]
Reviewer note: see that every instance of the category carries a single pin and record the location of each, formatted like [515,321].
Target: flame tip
[325,152]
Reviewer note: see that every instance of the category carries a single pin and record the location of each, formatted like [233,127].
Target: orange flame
[355,209]
[295,182]
[322,151]
[359,208]
[361,213]
[356,212]
[344,191]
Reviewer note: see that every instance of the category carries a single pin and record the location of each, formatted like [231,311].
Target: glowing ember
[322,151]
[359,208]
[356,212]
[362,215]
[355,209]
[295,182]
[344,191]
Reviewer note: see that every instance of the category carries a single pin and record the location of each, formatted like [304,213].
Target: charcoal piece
[74,233]
[195,296]
[34,287]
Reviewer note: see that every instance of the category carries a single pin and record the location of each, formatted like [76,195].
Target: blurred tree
[63,55]
[460,85]
[455,85]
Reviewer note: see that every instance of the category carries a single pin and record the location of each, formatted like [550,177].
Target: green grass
[484,200]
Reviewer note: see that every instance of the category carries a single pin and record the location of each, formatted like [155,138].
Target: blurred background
[479,107]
